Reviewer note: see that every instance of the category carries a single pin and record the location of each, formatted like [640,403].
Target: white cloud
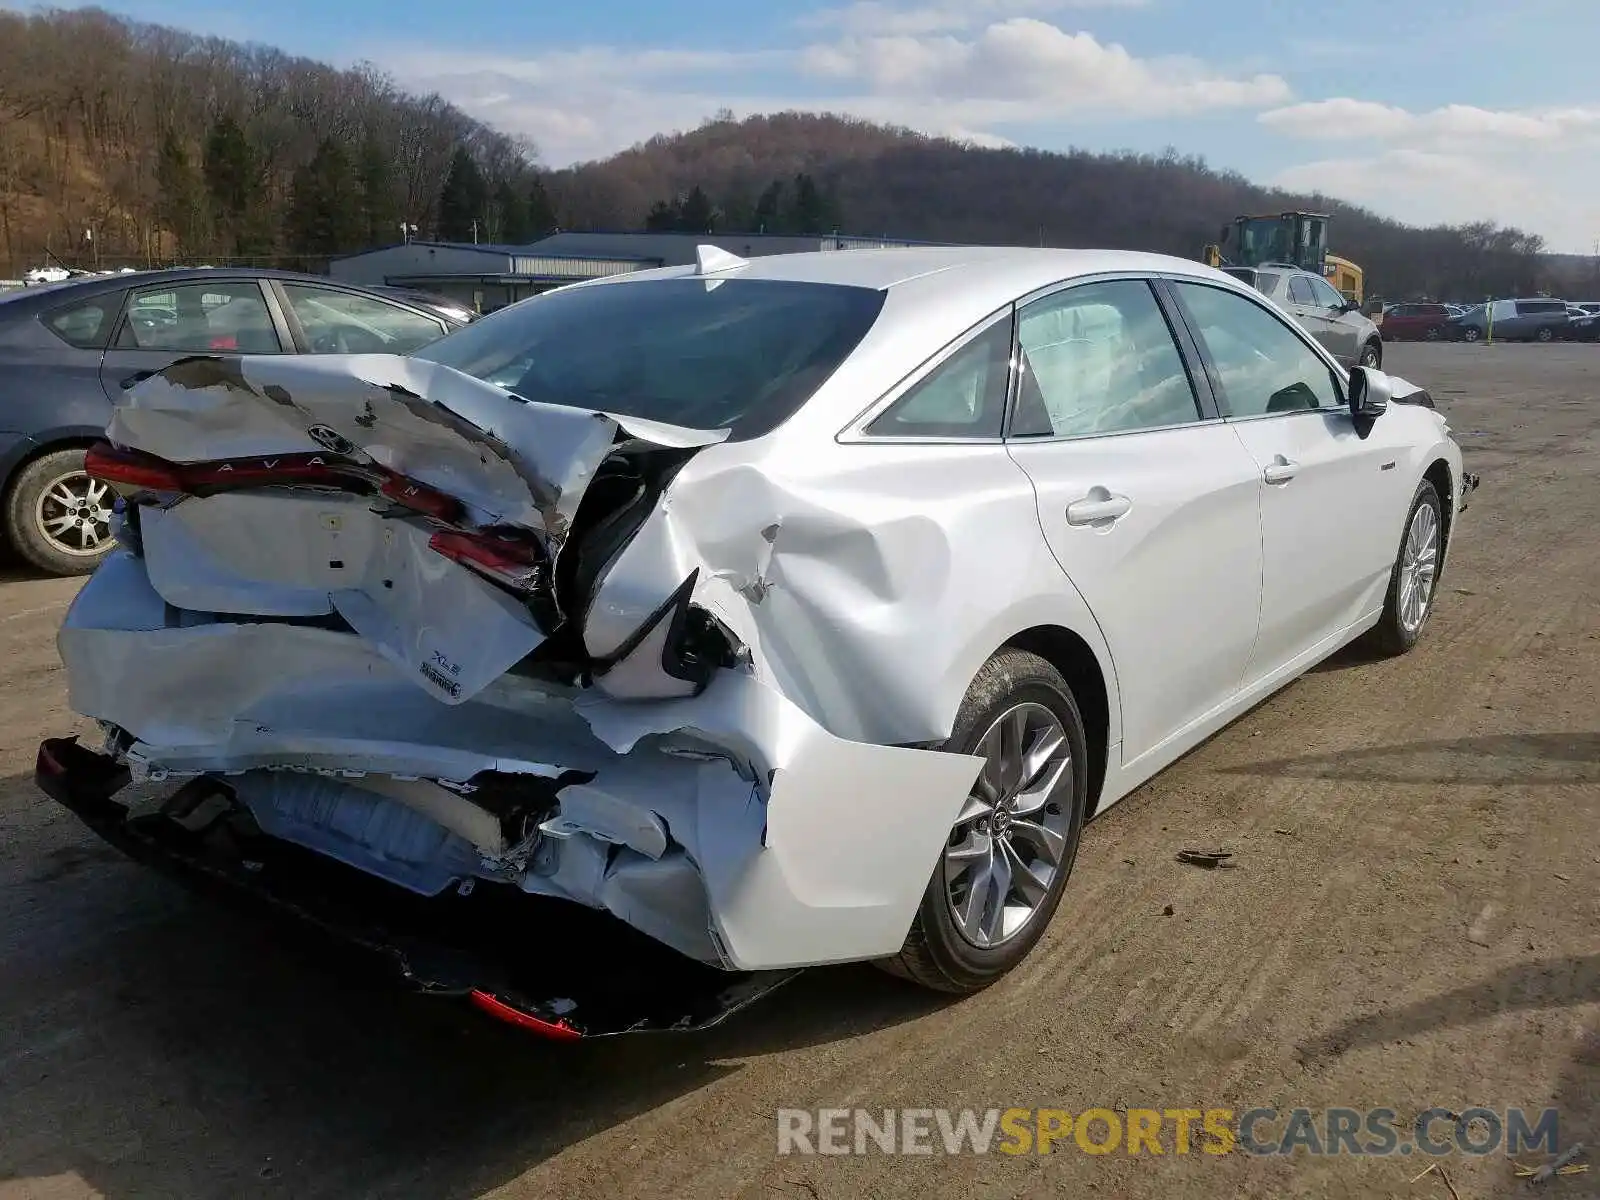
[871,17]
[1345,119]
[586,102]
[1536,168]
[1038,65]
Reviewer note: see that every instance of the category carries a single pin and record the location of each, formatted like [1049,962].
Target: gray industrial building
[490,277]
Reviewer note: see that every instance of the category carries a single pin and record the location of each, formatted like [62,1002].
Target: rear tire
[1414,581]
[57,517]
[975,922]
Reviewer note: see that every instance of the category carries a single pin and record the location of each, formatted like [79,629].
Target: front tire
[57,517]
[1470,334]
[1010,852]
[1415,577]
[1372,356]
[1545,333]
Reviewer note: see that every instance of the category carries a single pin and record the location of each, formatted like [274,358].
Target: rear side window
[1267,282]
[737,354]
[87,324]
[199,318]
[1539,307]
[1300,291]
[963,397]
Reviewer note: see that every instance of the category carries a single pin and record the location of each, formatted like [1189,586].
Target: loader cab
[1298,238]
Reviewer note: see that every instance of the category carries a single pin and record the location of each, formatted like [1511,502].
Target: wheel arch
[41,444]
[1072,655]
[1438,474]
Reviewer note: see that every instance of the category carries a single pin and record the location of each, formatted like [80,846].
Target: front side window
[738,354]
[1327,296]
[1097,359]
[344,323]
[200,318]
[963,397]
[1262,365]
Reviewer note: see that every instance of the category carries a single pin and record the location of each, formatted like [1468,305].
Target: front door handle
[1099,507]
[1280,470]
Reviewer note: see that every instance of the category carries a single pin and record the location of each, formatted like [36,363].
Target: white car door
[1149,503]
[1332,497]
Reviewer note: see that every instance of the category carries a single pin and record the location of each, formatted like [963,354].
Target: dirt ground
[1414,921]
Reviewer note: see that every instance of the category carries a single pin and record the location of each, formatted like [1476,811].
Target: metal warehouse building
[489,277]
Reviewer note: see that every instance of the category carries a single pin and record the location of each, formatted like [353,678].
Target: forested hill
[870,179]
[173,147]
[130,144]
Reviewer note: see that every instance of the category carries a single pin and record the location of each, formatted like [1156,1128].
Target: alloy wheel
[1006,847]
[1418,566]
[73,514]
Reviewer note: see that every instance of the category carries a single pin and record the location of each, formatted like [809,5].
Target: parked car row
[68,349]
[1540,319]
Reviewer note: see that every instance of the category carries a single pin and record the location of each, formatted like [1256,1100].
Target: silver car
[1337,323]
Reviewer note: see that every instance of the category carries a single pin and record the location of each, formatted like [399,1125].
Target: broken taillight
[131,469]
[420,498]
[510,561]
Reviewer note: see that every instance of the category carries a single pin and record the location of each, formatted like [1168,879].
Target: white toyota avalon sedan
[618,655]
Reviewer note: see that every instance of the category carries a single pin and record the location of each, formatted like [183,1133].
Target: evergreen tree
[664,216]
[380,214]
[541,210]
[511,211]
[768,216]
[696,214]
[232,178]
[464,199]
[325,205]
[181,207]
[811,210]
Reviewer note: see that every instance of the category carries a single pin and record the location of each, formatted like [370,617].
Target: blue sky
[1421,109]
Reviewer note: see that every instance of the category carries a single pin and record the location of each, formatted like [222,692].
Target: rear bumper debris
[577,972]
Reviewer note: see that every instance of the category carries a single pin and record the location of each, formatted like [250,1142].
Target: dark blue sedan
[66,349]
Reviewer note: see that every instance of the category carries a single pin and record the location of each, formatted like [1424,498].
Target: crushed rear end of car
[365,658]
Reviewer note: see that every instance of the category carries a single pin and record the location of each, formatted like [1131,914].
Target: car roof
[94,285]
[963,283]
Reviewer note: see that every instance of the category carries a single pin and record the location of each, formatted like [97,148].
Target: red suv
[1415,322]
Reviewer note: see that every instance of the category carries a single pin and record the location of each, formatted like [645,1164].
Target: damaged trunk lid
[453,525]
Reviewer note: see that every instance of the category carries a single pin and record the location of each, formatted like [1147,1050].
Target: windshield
[705,353]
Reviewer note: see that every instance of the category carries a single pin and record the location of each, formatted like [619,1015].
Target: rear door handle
[1099,507]
[1280,470]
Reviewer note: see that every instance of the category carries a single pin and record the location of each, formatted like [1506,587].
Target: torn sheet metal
[305,554]
[512,461]
[837,590]
[209,694]
[783,845]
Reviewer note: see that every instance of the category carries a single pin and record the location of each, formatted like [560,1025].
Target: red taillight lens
[509,561]
[420,498]
[496,1007]
[132,469]
[283,469]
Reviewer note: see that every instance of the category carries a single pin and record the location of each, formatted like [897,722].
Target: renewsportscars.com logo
[1154,1131]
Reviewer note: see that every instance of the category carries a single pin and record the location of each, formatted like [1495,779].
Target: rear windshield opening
[738,354]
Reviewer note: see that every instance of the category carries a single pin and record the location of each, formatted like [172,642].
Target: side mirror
[1350,306]
[1369,393]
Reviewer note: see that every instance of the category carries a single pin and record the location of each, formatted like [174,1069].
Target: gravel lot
[1379,814]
